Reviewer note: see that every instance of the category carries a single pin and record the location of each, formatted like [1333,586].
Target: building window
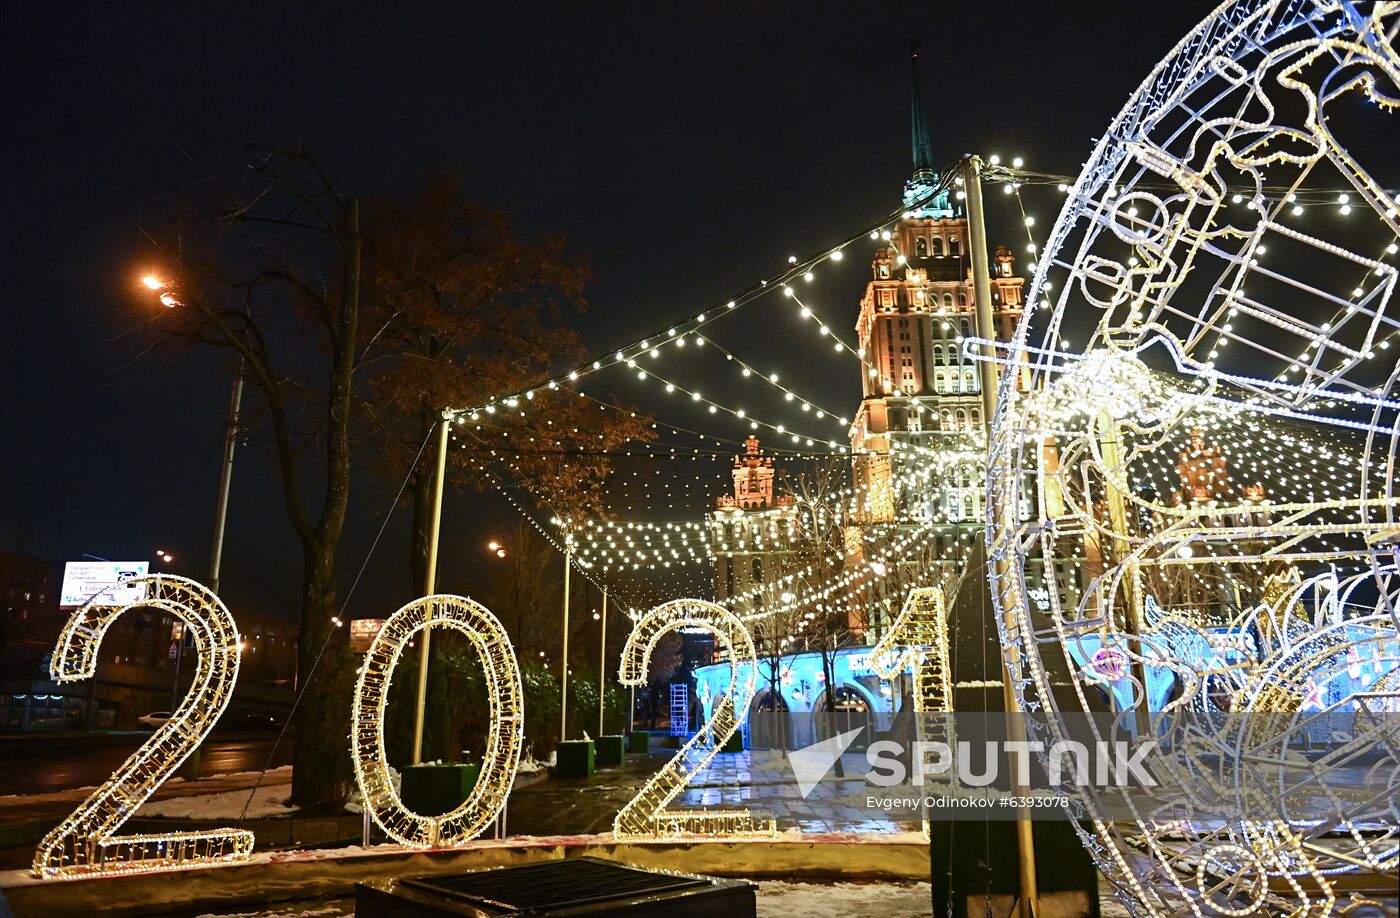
[968,381]
[954,247]
[921,247]
[948,301]
[962,299]
[937,246]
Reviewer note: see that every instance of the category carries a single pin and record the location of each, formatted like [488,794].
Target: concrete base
[279,876]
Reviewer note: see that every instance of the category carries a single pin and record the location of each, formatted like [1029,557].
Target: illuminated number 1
[646,816]
[86,842]
[919,638]
[503,738]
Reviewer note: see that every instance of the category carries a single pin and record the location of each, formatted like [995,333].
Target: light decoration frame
[1177,285]
[85,843]
[505,734]
[917,641]
[645,817]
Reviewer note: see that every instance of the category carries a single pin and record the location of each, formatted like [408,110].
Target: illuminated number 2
[646,816]
[86,842]
[503,738]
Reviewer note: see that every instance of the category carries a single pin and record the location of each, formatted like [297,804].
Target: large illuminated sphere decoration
[503,738]
[86,842]
[1192,481]
[645,816]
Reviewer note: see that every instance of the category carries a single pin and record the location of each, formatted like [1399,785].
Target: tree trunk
[321,772]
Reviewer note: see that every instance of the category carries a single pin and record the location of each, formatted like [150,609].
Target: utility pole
[602,659]
[986,330]
[430,585]
[235,401]
[564,657]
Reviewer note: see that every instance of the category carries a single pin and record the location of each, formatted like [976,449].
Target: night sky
[688,153]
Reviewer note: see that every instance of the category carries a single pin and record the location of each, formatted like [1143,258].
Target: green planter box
[639,741]
[736,742]
[431,790]
[574,759]
[611,751]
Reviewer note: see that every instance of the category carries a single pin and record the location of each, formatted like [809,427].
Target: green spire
[919,194]
[923,150]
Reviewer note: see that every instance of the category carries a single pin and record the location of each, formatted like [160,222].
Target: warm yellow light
[493,545]
[153,282]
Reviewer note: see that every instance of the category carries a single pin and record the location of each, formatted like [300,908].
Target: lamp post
[170,300]
[564,657]
[430,584]
[602,658]
[986,330]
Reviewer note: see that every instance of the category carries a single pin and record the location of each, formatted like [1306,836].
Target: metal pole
[985,329]
[564,658]
[602,660]
[235,400]
[430,586]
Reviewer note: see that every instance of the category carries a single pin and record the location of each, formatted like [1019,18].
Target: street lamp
[168,298]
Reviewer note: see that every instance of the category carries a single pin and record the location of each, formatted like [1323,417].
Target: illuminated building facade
[918,433]
[755,534]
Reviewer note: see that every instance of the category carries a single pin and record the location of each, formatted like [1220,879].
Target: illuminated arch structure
[1207,413]
[86,842]
[503,739]
[646,816]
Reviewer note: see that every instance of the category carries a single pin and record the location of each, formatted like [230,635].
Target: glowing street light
[496,548]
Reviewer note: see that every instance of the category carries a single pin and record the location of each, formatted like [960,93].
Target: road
[33,763]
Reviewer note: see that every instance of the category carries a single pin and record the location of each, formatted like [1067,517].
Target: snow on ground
[268,800]
[776,899]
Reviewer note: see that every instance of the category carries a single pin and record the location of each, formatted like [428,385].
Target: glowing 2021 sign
[503,739]
[86,842]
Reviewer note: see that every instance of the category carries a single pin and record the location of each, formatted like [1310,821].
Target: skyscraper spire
[919,198]
[923,151]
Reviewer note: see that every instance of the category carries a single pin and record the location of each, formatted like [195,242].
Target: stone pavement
[577,806]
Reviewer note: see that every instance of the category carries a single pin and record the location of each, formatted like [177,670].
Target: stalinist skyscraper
[918,434]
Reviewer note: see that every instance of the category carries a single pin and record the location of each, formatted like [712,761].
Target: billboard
[104,580]
[363,631]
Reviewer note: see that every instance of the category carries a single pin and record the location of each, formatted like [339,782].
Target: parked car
[154,719]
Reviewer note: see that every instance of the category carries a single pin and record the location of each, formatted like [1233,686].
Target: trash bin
[432,790]
[638,741]
[610,751]
[574,759]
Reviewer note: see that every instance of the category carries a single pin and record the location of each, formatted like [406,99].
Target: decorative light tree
[1206,412]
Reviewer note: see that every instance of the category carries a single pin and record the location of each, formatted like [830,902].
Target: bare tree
[273,272]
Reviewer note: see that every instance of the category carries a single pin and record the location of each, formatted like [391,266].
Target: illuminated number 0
[86,842]
[503,738]
[646,816]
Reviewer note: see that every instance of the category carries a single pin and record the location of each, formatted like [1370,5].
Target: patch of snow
[530,765]
[268,800]
[778,899]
